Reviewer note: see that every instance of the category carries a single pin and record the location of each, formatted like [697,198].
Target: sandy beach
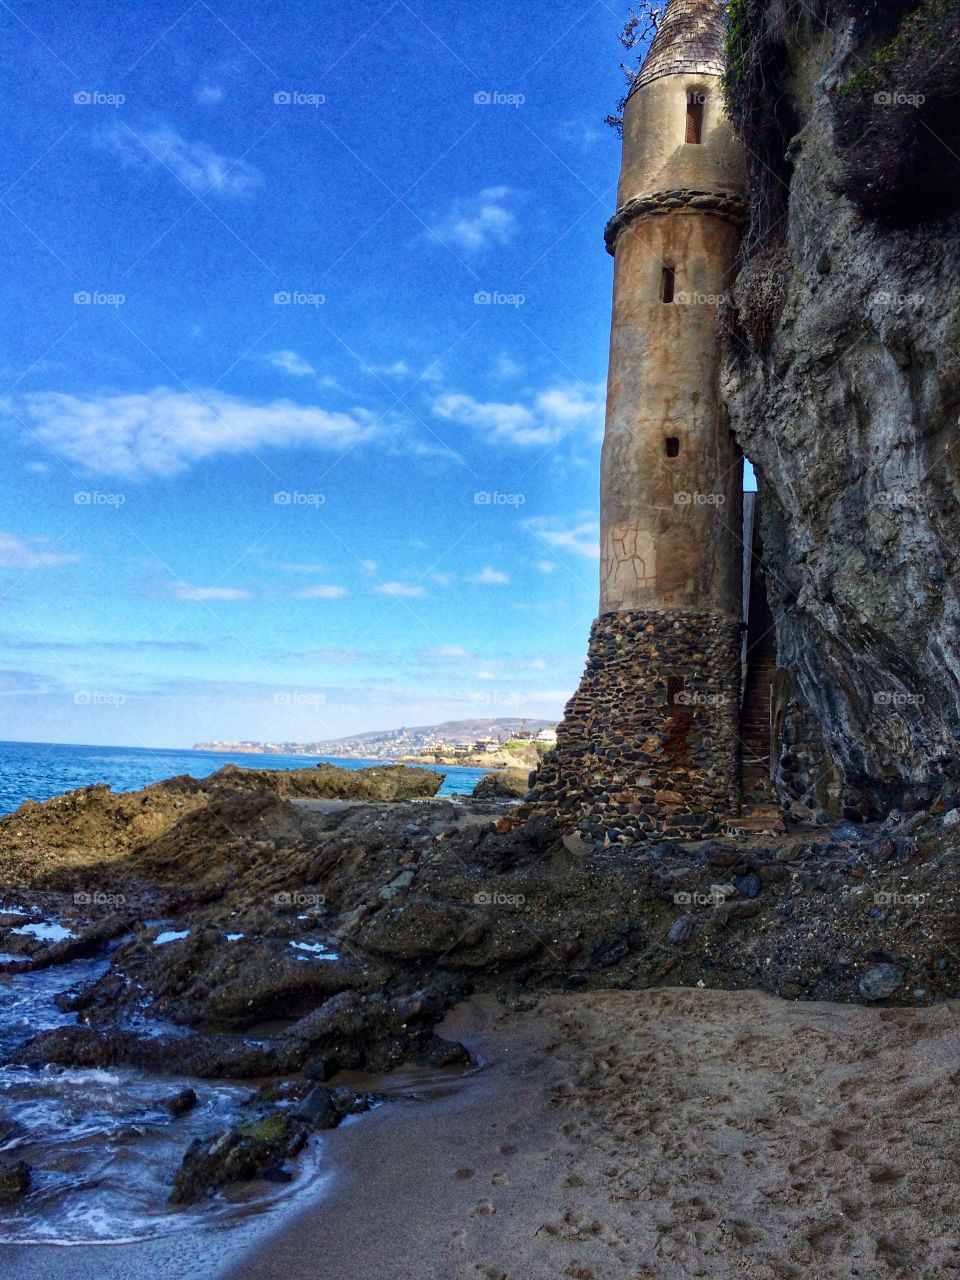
[613,1135]
[667,1133]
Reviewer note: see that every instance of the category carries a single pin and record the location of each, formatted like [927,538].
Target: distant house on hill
[547,735]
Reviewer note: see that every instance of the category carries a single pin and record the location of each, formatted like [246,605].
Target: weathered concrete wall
[655,155]
[671,527]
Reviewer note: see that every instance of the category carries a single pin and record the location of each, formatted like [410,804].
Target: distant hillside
[388,743]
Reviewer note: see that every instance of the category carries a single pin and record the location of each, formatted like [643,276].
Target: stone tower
[649,743]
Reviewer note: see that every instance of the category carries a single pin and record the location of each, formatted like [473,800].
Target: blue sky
[303,374]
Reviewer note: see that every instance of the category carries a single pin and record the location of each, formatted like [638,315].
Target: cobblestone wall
[648,745]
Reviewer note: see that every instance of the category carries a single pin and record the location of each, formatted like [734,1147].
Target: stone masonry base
[648,746]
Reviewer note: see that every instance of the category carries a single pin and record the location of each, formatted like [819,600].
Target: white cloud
[547,419]
[399,589]
[545,566]
[490,577]
[484,675]
[368,566]
[195,164]
[290,362]
[183,591]
[321,591]
[209,93]
[538,664]
[162,432]
[451,651]
[32,552]
[583,538]
[477,222]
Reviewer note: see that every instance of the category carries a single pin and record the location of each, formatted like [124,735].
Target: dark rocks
[682,930]
[749,885]
[318,1109]
[15,1177]
[182,1102]
[881,981]
[506,784]
[204,1056]
[247,1151]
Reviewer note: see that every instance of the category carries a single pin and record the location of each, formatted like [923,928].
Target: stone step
[768,822]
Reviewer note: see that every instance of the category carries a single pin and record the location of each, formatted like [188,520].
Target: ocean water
[40,770]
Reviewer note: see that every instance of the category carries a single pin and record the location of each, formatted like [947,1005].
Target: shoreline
[661,1132]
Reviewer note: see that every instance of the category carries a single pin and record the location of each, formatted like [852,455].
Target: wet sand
[668,1133]
[623,1134]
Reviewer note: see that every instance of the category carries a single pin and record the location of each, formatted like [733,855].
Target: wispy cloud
[582,538]
[184,591]
[475,223]
[490,577]
[290,362]
[31,552]
[200,168]
[399,589]
[162,432]
[446,652]
[545,566]
[321,591]
[545,420]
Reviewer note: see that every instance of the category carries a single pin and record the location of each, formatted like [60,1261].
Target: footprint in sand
[508,1149]
[483,1209]
[500,1180]
[462,1174]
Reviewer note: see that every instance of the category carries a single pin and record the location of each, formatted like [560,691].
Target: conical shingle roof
[690,40]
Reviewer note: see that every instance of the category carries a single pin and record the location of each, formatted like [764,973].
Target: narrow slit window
[675,687]
[695,107]
[668,283]
[673,447]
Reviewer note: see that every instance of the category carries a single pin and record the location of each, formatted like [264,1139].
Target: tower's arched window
[695,105]
[668,283]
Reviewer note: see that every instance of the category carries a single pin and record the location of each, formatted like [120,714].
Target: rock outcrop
[842,379]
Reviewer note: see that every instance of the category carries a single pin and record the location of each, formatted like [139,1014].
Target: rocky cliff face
[842,380]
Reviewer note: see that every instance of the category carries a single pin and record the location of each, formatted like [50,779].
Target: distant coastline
[479,743]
